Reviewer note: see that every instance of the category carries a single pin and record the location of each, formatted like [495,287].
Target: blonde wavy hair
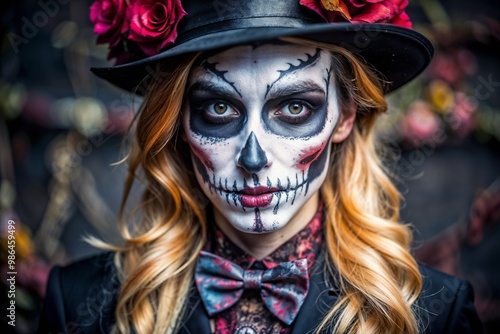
[368,250]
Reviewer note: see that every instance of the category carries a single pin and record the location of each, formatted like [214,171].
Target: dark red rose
[119,54]
[153,24]
[402,20]
[379,11]
[109,19]
[330,10]
[361,11]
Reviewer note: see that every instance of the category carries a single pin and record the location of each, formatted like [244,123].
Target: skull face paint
[259,121]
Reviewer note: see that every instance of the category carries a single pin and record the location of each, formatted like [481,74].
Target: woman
[265,209]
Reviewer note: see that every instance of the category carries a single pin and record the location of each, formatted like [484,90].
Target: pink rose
[361,11]
[108,17]
[153,24]
[453,66]
[420,123]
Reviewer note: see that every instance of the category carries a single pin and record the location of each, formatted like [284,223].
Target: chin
[258,220]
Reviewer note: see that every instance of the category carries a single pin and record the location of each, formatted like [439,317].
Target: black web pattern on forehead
[221,74]
[311,60]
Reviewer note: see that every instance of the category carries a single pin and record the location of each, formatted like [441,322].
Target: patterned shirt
[249,315]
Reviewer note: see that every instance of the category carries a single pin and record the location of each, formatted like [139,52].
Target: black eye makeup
[294,112]
[217,112]
[291,110]
[300,114]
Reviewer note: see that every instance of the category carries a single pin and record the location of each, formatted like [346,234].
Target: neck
[260,245]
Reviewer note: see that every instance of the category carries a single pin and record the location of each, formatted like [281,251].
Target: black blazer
[81,298]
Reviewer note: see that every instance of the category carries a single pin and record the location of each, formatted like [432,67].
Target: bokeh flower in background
[420,123]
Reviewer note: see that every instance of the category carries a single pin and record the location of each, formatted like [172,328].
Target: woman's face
[259,122]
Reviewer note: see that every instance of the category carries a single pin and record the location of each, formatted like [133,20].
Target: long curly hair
[368,249]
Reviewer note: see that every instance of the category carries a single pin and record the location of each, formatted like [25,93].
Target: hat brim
[397,54]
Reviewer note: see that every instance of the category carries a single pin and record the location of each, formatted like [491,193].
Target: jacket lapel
[320,299]
[196,319]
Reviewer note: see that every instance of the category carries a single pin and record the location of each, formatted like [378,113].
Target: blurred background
[62,130]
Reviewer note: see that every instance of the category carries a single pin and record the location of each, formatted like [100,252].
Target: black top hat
[398,54]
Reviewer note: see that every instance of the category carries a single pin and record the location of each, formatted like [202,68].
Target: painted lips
[256,197]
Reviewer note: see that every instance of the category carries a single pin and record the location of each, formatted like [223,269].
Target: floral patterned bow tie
[221,284]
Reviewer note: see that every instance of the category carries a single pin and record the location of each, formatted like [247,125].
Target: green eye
[220,108]
[295,112]
[295,108]
[218,112]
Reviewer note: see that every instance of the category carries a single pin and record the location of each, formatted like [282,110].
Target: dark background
[61,129]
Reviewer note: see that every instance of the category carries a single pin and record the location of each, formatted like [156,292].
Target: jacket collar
[196,319]
[320,299]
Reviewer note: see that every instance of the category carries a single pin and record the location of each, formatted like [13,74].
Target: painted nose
[252,156]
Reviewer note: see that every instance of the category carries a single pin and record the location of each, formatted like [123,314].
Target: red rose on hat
[380,11]
[153,24]
[361,11]
[108,17]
